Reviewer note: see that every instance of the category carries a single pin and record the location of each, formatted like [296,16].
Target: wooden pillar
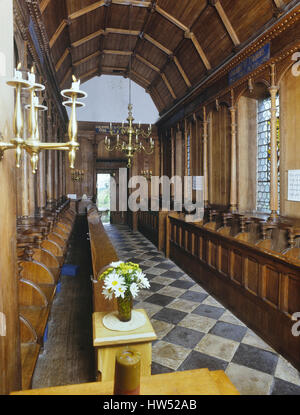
[95,155]
[10,356]
[41,200]
[205,158]
[49,155]
[274,159]
[233,181]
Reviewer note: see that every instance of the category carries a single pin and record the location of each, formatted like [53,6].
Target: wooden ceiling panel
[164,32]
[86,24]
[143,70]
[151,53]
[247,17]
[163,92]
[175,79]
[77,5]
[119,17]
[185,13]
[59,47]
[213,36]
[87,67]
[65,66]
[119,42]
[53,15]
[86,49]
[190,61]
[118,61]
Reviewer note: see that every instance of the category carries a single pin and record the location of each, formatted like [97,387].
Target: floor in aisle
[68,354]
[196,331]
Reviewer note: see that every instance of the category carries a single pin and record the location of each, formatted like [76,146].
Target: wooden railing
[260,286]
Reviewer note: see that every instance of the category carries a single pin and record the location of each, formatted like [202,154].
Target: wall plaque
[294,185]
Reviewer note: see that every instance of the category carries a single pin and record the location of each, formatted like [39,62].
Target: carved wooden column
[273,143]
[205,159]
[233,181]
[41,200]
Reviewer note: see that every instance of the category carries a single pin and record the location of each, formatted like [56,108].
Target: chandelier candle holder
[130,146]
[33,145]
[77,175]
[147,174]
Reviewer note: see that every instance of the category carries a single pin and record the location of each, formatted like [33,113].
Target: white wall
[108,101]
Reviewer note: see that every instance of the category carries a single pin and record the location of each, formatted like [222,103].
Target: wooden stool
[108,342]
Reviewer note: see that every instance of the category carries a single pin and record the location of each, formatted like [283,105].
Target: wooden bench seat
[29,355]
[37,317]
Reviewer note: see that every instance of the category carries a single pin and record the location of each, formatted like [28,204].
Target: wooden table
[190,382]
[109,342]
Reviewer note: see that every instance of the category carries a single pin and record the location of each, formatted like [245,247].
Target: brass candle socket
[33,145]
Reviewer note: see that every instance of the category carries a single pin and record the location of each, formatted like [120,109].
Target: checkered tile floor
[195,331]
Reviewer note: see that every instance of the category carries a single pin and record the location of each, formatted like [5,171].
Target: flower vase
[125,307]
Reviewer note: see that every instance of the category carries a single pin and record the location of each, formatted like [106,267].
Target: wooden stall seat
[47,258]
[41,247]
[259,282]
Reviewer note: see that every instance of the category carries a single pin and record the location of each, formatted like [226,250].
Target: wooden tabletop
[191,382]
[103,336]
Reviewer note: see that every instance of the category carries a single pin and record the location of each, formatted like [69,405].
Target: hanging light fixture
[133,142]
[33,145]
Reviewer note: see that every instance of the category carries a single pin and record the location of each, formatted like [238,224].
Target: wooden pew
[103,253]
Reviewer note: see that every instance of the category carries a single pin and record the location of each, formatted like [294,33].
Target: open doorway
[103,196]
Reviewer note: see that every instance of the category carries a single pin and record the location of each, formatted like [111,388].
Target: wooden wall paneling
[10,358]
[257,301]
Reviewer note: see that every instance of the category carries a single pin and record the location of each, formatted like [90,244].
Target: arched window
[264,153]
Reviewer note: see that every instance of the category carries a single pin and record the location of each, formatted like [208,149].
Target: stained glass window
[264,153]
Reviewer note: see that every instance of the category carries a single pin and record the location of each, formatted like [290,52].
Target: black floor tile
[256,358]
[184,337]
[172,274]
[154,286]
[182,284]
[229,331]
[209,311]
[160,299]
[194,296]
[164,265]
[169,316]
[196,360]
[281,387]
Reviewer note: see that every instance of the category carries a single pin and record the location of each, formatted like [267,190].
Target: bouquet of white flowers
[122,279]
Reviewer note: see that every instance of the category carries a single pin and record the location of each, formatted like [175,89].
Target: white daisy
[108,294]
[113,282]
[116,264]
[142,280]
[120,291]
[134,289]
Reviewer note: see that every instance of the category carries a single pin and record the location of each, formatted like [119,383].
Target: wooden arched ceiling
[174,44]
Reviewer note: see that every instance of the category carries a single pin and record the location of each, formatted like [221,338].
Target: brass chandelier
[130,146]
[32,144]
